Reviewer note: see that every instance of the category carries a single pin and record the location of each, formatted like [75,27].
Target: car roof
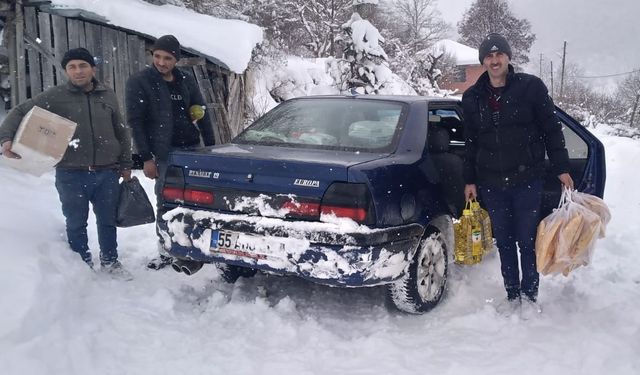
[397,98]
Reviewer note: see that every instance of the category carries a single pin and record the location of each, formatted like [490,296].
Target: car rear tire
[231,273]
[423,286]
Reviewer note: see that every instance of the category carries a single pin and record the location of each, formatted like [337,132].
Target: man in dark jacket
[158,102]
[510,122]
[93,163]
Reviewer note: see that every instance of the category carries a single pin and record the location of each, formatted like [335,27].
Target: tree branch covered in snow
[364,55]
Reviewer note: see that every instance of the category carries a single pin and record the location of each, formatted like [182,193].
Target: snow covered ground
[58,317]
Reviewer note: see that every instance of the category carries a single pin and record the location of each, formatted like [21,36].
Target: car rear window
[328,123]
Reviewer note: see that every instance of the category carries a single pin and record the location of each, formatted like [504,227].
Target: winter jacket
[150,112]
[511,151]
[102,137]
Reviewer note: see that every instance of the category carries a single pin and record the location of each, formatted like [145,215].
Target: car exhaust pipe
[188,267]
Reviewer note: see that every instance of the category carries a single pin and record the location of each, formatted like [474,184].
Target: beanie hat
[77,54]
[493,42]
[168,43]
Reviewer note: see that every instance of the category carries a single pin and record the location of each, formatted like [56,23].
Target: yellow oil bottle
[468,239]
[483,217]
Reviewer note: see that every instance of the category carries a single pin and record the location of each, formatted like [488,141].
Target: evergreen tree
[364,63]
[494,16]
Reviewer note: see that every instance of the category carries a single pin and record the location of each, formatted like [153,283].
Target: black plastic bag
[138,163]
[134,207]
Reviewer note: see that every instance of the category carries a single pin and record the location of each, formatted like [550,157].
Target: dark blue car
[344,191]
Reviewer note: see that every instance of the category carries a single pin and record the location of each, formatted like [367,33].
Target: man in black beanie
[510,123]
[77,54]
[158,101]
[493,42]
[92,165]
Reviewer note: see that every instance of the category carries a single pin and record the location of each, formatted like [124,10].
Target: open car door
[586,163]
[586,152]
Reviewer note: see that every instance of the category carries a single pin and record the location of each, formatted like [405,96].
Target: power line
[609,75]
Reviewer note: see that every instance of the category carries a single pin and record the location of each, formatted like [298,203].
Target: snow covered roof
[464,55]
[228,41]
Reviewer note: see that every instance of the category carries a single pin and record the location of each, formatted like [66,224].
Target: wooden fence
[46,37]
[41,39]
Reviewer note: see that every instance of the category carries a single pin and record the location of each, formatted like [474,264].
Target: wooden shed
[37,35]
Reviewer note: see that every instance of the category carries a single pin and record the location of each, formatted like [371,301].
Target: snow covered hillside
[58,317]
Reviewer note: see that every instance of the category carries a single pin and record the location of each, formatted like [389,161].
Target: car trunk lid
[263,180]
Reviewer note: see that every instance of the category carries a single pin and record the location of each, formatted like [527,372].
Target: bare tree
[494,16]
[584,102]
[418,23]
[411,28]
[170,2]
[321,19]
[628,94]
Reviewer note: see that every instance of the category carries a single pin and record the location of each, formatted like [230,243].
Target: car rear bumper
[340,253]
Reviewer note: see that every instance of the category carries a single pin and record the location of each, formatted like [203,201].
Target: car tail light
[357,214]
[179,195]
[302,209]
[173,194]
[198,196]
[174,189]
[348,200]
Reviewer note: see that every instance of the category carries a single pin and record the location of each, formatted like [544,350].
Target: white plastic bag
[596,205]
[565,239]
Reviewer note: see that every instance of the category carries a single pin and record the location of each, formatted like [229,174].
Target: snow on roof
[228,41]
[356,2]
[464,55]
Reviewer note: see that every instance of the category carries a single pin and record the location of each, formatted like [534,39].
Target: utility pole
[635,108]
[540,66]
[564,54]
[551,79]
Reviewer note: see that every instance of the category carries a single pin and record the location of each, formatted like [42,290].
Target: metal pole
[564,54]
[540,66]
[551,79]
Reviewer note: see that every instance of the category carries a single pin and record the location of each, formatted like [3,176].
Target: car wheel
[231,273]
[422,287]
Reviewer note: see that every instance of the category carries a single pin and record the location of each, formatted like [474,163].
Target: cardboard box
[41,141]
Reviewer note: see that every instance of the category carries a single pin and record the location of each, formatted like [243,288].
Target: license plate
[245,245]
[223,239]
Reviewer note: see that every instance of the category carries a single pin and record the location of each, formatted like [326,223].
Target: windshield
[328,123]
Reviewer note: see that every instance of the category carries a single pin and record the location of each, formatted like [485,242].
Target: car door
[586,163]
[586,152]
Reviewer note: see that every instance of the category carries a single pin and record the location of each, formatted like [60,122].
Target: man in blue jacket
[158,101]
[510,123]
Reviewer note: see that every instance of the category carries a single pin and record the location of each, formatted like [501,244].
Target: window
[329,123]
[450,120]
[460,74]
[576,146]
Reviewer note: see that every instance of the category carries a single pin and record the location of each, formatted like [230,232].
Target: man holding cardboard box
[98,155]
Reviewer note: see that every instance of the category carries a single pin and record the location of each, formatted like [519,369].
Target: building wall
[39,39]
[455,82]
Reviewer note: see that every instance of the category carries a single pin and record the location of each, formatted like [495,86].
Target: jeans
[76,188]
[515,215]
